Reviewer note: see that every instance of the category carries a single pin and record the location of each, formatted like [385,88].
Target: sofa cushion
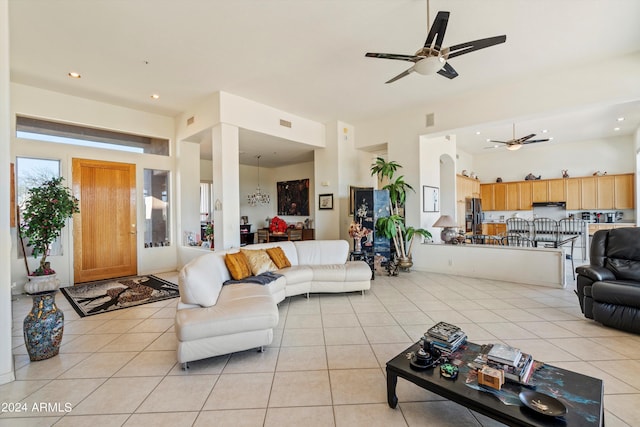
[240,308]
[278,257]
[259,261]
[200,281]
[297,274]
[238,265]
[322,252]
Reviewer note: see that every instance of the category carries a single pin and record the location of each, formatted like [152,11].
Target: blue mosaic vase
[43,326]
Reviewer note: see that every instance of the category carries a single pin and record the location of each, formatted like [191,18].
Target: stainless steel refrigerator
[473,216]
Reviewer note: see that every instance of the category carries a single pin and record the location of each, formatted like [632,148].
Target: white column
[226,186]
[6,358]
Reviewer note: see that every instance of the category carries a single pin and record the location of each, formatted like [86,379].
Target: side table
[363,256]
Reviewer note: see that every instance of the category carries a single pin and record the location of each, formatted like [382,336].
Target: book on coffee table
[505,354]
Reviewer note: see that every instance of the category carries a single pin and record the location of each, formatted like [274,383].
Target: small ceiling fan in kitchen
[432,58]
[514,143]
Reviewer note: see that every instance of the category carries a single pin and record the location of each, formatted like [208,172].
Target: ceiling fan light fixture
[514,147]
[429,65]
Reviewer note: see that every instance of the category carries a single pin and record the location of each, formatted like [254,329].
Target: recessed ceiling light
[544,131]
[488,140]
[477,132]
[616,129]
[620,119]
[551,138]
[74,75]
[155,96]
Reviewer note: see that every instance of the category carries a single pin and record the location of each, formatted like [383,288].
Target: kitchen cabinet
[591,192]
[608,226]
[588,193]
[500,197]
[605,190]
[486,194]
[467,188]
[494,228]
[624,191]
[572,190]
[525,195]
[513,196]
[540,190]
[556,190]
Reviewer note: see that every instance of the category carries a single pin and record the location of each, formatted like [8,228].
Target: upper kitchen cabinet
[605,189]
[467,188]
[486,194]
[624,191]
[572,190]
[540,191]
[525,195]
[556,190]
[588,191]
[500,197]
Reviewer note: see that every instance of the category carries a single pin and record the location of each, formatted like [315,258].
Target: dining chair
[263,235]
[516,239]
[519,226]
[545,231]
[568,227]
[295,233]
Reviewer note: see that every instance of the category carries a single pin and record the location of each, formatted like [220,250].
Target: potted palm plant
[393,226]
[46,210]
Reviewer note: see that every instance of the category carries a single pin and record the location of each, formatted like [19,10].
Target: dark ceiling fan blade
[437,31]
[468,47]
[533,141]
[401,75]
[448,71]
[524,138]
[410,58]
[501,142]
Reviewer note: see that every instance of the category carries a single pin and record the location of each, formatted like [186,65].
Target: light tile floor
[325,366]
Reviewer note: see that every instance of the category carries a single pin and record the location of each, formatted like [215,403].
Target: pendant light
[258,198]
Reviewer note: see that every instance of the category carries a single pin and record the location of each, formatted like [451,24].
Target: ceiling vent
[285,123]
[190,120]
[431,120]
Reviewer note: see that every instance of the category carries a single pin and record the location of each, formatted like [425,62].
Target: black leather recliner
[609,288]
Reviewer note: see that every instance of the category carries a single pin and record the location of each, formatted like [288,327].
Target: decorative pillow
[259,261]
[238,265]
[278,257]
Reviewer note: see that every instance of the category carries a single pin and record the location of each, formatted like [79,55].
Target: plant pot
[43,327]
[405,263]
[44,283]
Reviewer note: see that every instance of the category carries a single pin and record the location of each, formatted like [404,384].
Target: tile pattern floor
[325,366]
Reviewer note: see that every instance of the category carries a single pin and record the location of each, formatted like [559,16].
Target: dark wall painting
[293,197]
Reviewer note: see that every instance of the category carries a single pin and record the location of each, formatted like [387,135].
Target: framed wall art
[430,199]
[293,197]
[325,201]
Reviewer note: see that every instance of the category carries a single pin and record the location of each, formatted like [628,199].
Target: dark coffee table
[582,395]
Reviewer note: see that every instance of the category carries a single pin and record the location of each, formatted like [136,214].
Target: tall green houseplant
[393,227]
[46,210]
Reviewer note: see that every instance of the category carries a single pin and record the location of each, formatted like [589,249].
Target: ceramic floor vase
[43,327]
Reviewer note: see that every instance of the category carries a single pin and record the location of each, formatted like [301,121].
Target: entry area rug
[114,294]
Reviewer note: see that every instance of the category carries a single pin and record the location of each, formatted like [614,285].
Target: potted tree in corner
[393,226]
[46,210]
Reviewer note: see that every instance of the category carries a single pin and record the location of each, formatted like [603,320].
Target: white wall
[6,243]
[613,155]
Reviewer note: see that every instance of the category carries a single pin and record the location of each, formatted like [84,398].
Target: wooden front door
[104,235]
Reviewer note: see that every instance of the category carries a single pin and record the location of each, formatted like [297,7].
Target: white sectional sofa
[212,319]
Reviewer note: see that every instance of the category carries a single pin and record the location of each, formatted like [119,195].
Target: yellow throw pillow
[238,265]
[278,257]
[259,261]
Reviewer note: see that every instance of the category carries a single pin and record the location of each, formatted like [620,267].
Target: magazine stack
[445,337]
[517,366]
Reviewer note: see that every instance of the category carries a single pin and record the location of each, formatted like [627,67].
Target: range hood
[562,205]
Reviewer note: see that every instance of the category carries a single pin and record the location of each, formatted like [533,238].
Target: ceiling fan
[516,143]
[432,58]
